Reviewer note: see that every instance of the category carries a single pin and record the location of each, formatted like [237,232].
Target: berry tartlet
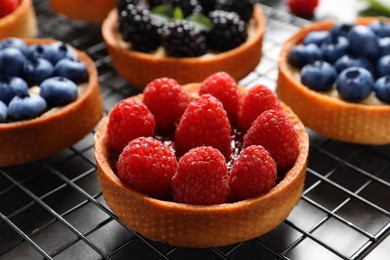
[49,98]
[94,11]
[17,19]
[143,48]
[183,177]
[336,78]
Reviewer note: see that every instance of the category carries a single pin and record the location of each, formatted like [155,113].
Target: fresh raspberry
[167,100]
[222,86]
[276,133]
[258,99]
[204,122]
[147,166]
[129,119]
[7,7]
[304,8]
[201,177]
[253,173]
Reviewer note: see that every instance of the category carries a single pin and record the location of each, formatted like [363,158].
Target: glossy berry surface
[303,8]
[382,89]
[26,107]
[15,43]
[253,173]
[11,87]
[58,51]
[58,91]
[316,37]
[3,112]
[354,84]
[201,178]
[348,61]
[341,29]
[244,8]
[384,45]
[37,70]
[74,70]
[7,7]
[147,166]
[11,62]
[383,66]
[319,76]
[129,120]
[380,28]
[188,7]
[334,48]
[300,55]
[360,36]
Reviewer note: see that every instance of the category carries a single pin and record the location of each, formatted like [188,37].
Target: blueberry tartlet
[94,11]
[185,40]
[49,98]
[17,19]
[336,78]
[213,171]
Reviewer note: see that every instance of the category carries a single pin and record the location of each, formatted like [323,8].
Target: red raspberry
[201,177]
[253,173]
[258,99]
[204,123]
[167,100]
[147,166]
[276,133]
[7,7]
[303,8]
[222,86]
[129,119]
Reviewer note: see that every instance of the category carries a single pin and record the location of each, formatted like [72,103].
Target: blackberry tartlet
[330,75]
[49,98]
[20,22]
[176,45]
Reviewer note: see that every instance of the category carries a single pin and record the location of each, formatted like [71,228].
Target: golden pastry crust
[141,68]
[21,23]
[201,226]
[29,140]
[334,118]
[94,11]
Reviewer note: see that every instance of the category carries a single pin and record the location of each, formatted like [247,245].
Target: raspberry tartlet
[139,68]
[39,117]
[21,22]
[94,11]
[194,213]
[337,115]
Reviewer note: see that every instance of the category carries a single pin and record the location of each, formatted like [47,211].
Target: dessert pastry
[326,103]
[38,121]
[86,10]
[190,219]
[19,23]
[139,67]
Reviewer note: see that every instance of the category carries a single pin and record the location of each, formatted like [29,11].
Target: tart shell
[20,23]
[29,140]
[94,11]
[334,118]
[141,68]
[201,226]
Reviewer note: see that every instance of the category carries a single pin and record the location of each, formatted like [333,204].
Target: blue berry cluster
[353,58]
[54,68]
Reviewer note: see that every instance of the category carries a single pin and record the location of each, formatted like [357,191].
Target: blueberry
[11,62]
[15,43]
[26,107]
[319,76]
[58,91]
[383,66]
[316,37]
[334,48]
[380,28]
[341,29]
[363,42]
[354,84]
[382,89]
[3,112]
[348,61]
[37,70]
[58,51]
[10,87]
[37,51]
[384,44]
[300,55]
[71,69]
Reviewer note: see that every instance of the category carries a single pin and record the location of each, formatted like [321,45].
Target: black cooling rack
[53,208]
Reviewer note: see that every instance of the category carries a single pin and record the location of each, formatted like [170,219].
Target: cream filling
[371,100]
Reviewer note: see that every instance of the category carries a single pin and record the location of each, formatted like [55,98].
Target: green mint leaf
[178,13]
[163,11]
[203,23]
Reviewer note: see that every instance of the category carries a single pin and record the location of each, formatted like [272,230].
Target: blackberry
[121,4]
[138,27]
[228,32]
[154,3]
[187,6]
[244,8]
[181,39]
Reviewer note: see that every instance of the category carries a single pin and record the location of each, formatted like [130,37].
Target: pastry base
[29,140]
[141,68]
[94,11]
[21,23]
[334,118]
[201,226]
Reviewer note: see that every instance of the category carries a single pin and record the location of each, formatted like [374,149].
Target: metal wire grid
[53,208]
